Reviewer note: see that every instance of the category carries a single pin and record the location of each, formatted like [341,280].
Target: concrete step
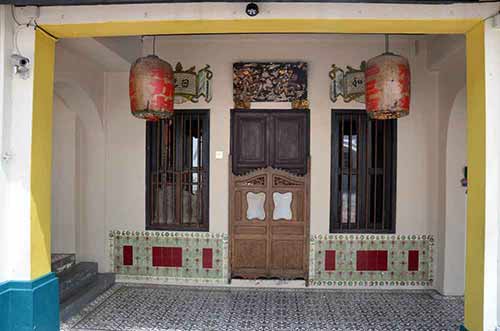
[86,294]
[62,262]
[73,279]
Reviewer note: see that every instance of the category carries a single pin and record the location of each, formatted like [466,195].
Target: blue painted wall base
[30,305]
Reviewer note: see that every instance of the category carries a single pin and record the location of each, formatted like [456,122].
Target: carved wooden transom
[281,181]
[256,181]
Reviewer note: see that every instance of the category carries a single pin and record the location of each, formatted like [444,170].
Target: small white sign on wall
[348,84]
[191,85]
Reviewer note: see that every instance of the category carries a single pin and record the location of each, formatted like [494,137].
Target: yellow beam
[476,159]
[445,26]
[41,154]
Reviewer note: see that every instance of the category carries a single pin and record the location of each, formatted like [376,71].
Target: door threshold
[268,283]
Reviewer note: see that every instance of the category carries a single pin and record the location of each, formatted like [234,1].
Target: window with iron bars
[177,172]
[363,173]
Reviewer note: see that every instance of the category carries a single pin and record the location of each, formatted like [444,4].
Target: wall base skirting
[30,305]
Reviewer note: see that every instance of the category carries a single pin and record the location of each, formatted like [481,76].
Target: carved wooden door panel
[263,138]
[249,228]
[249,140]
[289,225]
[269,230]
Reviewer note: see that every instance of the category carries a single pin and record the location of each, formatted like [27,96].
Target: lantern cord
[154,45]
[47,33]
[387,43]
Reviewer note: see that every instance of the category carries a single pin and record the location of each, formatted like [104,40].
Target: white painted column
[491,274]
[6,34]
[16,108]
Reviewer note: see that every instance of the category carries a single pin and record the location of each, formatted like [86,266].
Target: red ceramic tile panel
[176,256]
[207,258]
[381,261]
[371,260]
[167,256]
[361,258]
[413,260]
[329,260]
[128,255]
[157,260]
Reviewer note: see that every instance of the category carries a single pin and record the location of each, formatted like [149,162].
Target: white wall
[125,147]
[492,192]
[16,113]
[6,33]
[78,226]
[456,198]
[446,57]
[80,71]
[225,10]
[416,212]
[63,179]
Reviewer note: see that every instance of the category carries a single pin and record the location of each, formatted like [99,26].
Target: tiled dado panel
[335,259]
[371,260]
[169,256]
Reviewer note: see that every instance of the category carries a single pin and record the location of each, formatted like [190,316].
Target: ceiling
[112,54]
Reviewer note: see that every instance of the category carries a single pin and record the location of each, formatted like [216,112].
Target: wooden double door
[269,207]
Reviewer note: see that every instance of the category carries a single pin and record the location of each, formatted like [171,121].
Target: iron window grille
[363,173]
[177,172]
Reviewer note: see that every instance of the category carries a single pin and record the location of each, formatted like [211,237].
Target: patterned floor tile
[127,307]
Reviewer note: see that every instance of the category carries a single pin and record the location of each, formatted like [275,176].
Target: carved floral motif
[269,82]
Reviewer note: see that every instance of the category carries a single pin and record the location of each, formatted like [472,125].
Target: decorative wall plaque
[269,82]
[191,85]
[349,84]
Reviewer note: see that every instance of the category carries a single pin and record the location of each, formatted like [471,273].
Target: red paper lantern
[151,88]
[387,78]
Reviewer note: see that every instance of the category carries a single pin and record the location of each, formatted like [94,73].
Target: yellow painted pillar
[476,156]
[41,154]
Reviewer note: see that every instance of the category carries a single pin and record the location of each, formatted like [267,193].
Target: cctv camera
[19,60]
[252,9]
[21,65]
